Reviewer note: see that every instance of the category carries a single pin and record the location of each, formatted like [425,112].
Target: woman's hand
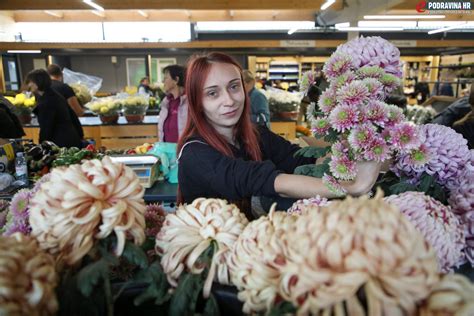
[367,173]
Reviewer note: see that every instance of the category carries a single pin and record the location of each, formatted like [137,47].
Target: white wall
[7,27]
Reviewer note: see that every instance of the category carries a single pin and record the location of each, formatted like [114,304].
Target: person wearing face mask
[222,154]
[174,107]
[52,111]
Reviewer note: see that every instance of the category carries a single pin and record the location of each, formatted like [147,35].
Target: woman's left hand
[367,173]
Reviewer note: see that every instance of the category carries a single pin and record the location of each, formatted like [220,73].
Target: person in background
[144,87]
[10,126]
[56,75]
[68,94]
[453,112]
[52,110]
[223,155]
[259,109]
[174,107]
[465,126]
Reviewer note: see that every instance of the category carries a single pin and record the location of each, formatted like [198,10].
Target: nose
[227,99]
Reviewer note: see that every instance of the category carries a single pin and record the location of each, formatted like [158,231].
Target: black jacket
[10,126]
[55,120]
[205,172]
[467,131]
[453,112]
[67,92]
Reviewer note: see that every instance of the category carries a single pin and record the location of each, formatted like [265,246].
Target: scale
[146,167]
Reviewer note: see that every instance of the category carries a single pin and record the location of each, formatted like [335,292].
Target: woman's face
[168,82]
[32,87]
[223,96]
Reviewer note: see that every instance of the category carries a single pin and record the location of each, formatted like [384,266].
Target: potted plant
[134,108]
[23,106]
[108,109]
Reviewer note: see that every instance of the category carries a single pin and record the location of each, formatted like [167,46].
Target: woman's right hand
[367,173]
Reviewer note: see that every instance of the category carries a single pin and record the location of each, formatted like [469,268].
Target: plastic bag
[93,83]
[167,154]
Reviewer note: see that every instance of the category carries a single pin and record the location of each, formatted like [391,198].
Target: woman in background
[174,107]
[52,111]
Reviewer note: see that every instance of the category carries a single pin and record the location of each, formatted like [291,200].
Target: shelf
[283,71]
[451,66]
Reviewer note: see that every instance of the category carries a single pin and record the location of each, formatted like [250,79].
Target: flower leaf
[186,294]
[312,152]
[332,136]
[135,255]
[282,308]
[90,275]
[211,308]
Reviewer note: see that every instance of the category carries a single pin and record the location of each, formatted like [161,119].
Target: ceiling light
[404,24]
[56,14]
[369,29]
[143,13]
[403,17]
[291,31]
[344,24]
[98,13]
[327,4]
[444,29]
[94,5]
[33,51]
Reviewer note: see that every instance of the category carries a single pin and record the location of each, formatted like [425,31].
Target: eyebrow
[215,86]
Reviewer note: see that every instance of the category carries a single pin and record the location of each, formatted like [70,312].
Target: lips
[231,113]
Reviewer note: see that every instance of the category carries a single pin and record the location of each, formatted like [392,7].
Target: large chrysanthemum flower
[186,234]
[83,203]
[27,278]
[436,223]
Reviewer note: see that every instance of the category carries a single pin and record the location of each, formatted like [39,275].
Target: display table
[123,135]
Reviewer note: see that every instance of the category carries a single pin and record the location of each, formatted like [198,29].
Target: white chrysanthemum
[452,296]
[186,234]
[27,278]
[255,258]
[352,244]
[82,203]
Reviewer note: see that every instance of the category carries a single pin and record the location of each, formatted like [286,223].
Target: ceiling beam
[167,15]
[167,4]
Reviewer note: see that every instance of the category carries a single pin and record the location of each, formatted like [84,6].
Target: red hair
[197,124]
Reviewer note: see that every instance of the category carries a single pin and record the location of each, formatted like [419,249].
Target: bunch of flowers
[307,80]
[189,232]
[82,204]
[107,106]
[352,113]
[23,104]
[135,105]
[436,222]
[282,101]
[82,93]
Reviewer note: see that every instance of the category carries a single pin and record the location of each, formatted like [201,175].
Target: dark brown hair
[40,77]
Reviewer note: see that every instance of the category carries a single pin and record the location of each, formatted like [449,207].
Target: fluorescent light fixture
[327,4]
[254,25]
[444,29]
[143,13]
[94,5]
[56,14]
[403,17]
[369,29]
[291,31]
[440,24]
[404,24]
[344,24]
[33,51]
[98,13]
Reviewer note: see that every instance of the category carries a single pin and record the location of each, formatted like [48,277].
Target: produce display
[23,105]
[82,93]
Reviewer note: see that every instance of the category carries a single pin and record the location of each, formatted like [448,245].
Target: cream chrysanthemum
[452,296]
[82,203]
[255,259]
[186,234]
[27,278]
[352,244]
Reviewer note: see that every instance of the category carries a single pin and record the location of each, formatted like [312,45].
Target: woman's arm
[298,186]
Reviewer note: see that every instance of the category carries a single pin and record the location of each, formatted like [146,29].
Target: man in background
[260,111]
[56,75]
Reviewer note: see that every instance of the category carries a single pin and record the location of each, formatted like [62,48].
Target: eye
[211,93]
[235,86]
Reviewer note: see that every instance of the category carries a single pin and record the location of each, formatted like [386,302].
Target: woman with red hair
[223,155]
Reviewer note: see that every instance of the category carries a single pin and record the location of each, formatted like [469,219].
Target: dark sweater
[467,131]
[205,172]
[67,92]
[10,126]
[55,120]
